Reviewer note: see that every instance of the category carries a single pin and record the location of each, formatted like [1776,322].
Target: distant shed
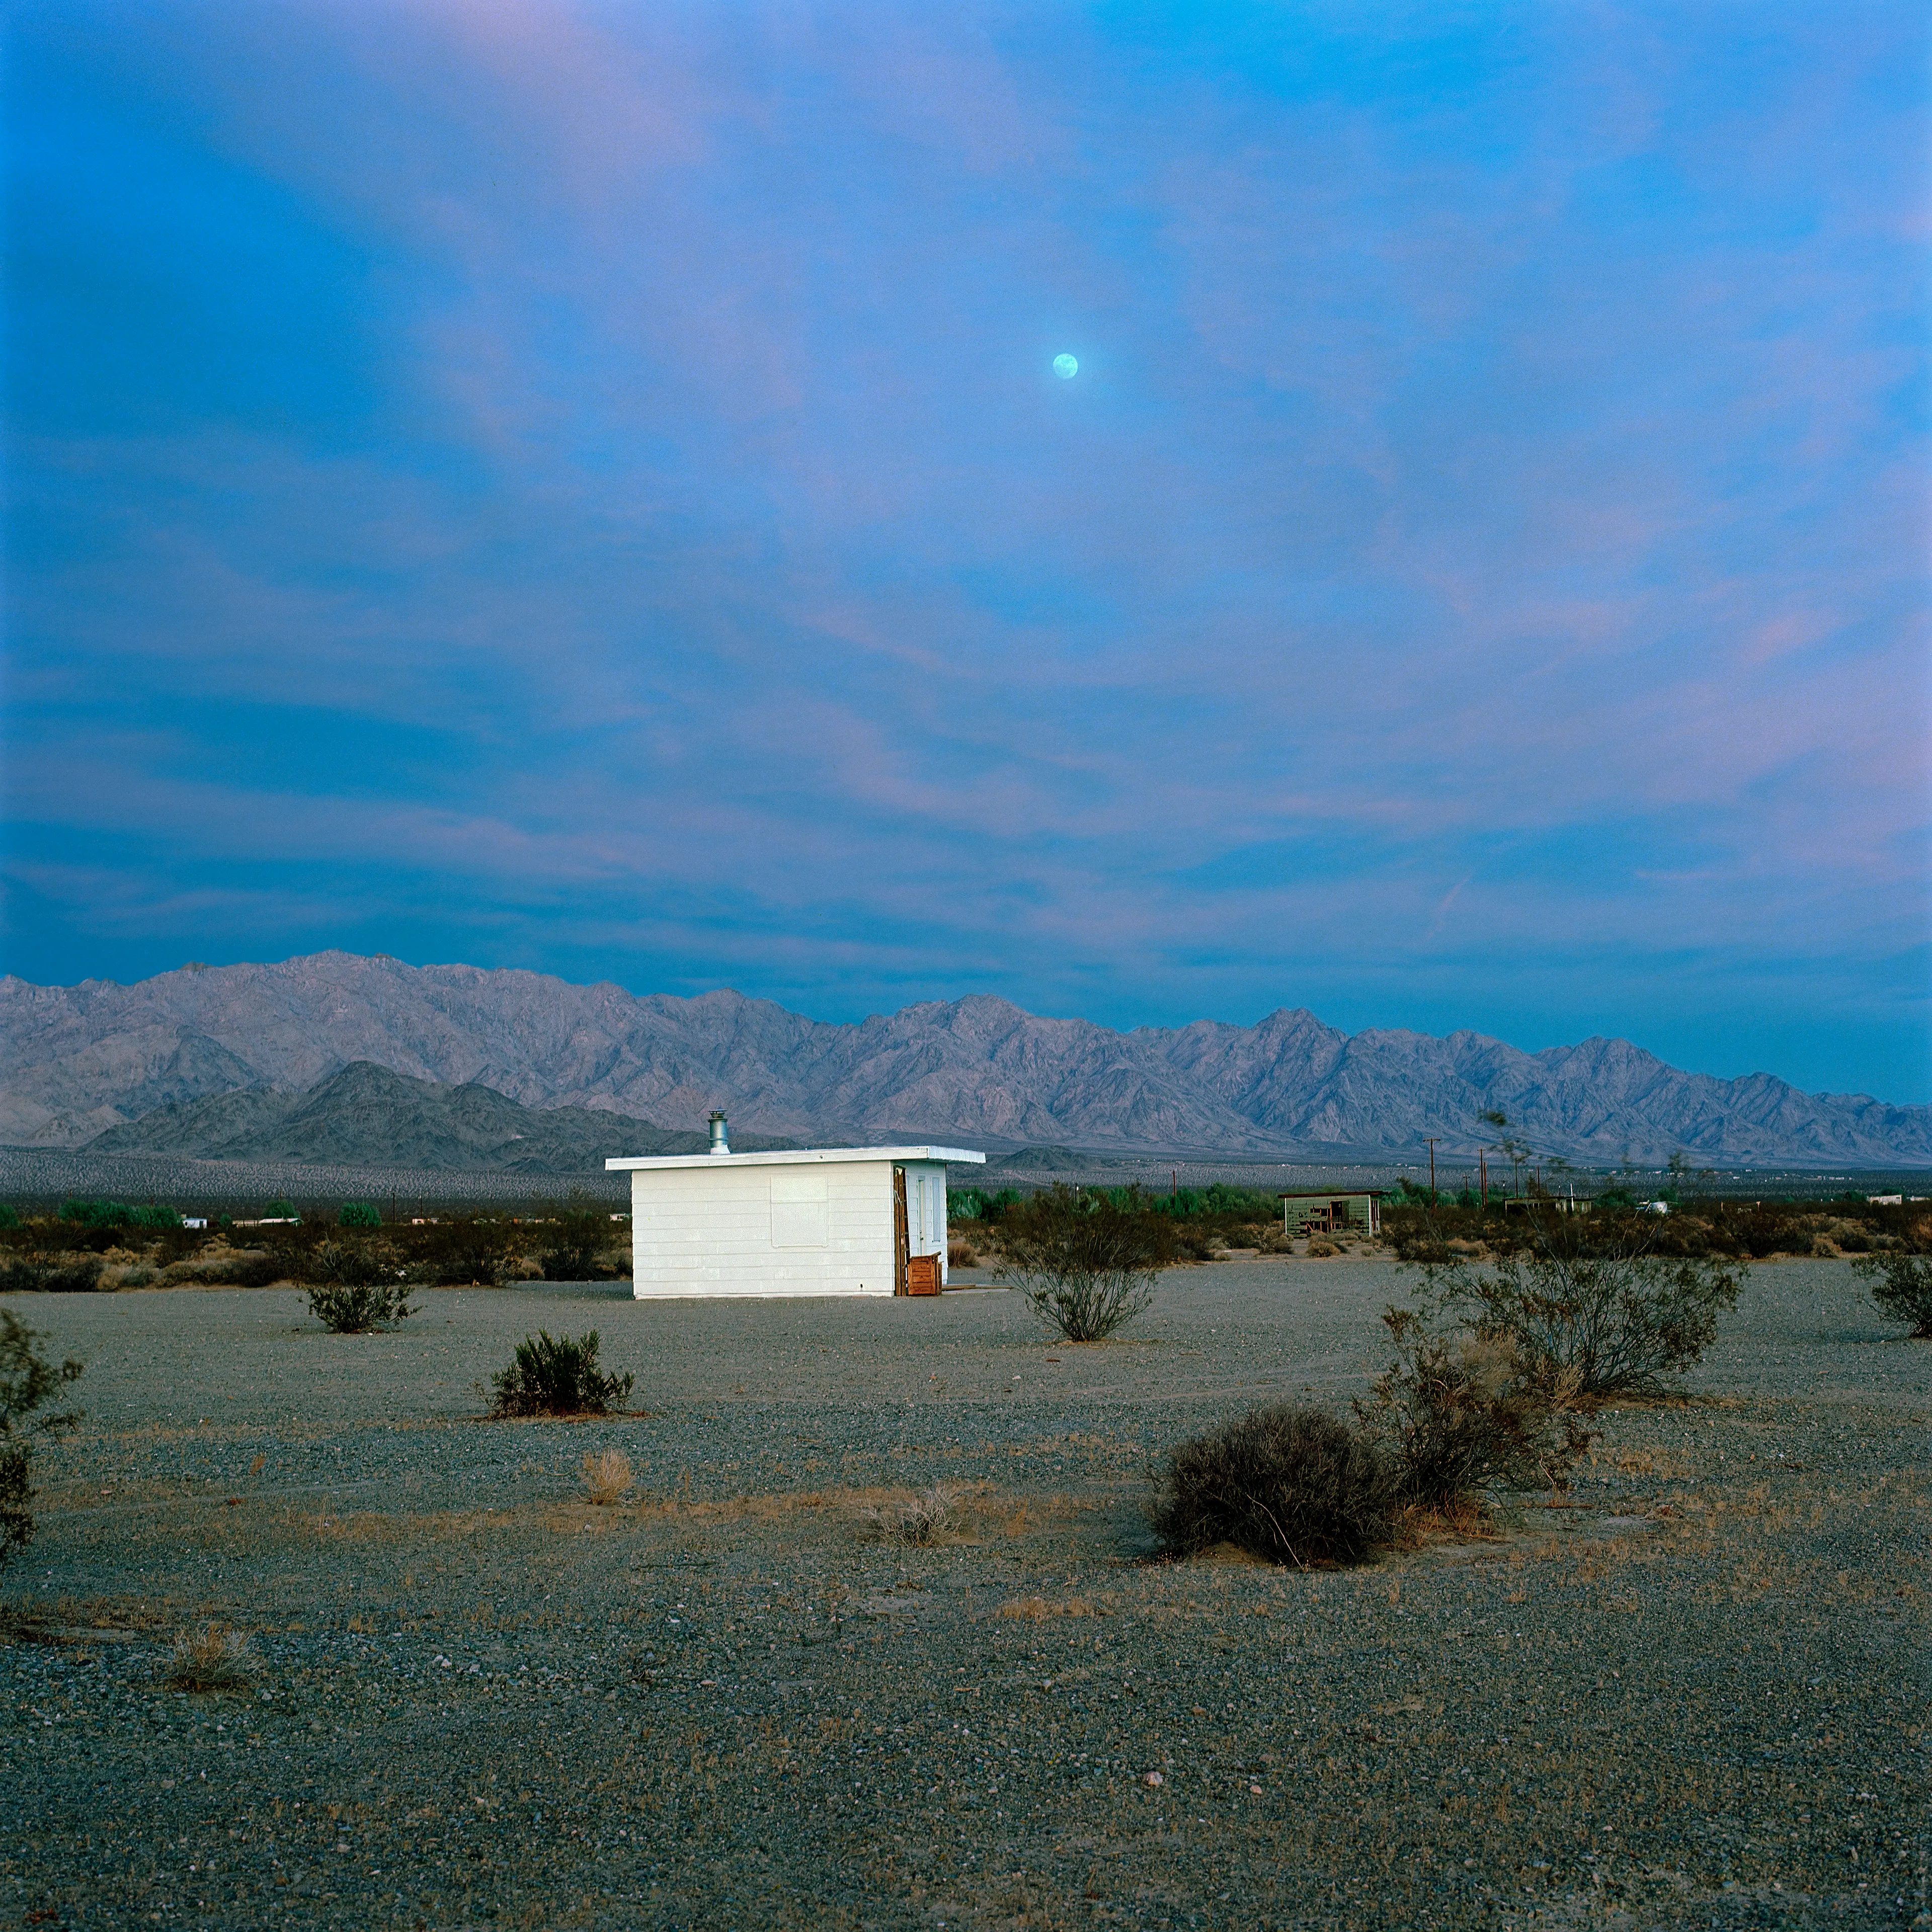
[805,1221]
[1332,1213]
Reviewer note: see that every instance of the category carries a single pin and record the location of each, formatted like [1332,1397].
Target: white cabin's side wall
[822,1228]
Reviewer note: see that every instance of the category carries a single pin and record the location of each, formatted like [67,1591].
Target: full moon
[1066,367]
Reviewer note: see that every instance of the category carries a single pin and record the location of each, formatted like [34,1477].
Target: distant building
[805,1221]
[1332,1213]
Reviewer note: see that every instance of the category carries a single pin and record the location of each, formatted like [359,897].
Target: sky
[586,488]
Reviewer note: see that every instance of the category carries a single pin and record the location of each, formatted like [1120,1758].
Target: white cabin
[806,1221]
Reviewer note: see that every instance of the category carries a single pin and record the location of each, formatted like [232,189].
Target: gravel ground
[1695,1697]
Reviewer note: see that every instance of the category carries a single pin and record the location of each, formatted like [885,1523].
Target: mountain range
[78,1062]
[367,1116]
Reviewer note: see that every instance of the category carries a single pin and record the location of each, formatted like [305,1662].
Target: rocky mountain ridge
[367,1116]
[76,1062]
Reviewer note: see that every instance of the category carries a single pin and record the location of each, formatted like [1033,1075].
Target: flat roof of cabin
[793,1157]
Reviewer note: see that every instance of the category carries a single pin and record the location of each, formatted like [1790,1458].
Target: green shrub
[1086,1264]
[1902,1287]
[974,1204]
[358,1214]
[359,1308]
[1291,1485]
[280,1210]
[26,1276]
[1458,1411]
[8,1217]
[558,1377]
[118,1214]
[28,1384]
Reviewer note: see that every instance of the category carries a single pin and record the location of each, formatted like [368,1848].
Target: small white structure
[807,1221]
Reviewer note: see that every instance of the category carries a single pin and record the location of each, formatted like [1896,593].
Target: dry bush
[1290,1485]
[960,1254]
[919,1520]
[606,1475]
[1593,1310]
[26,1277]
[1459,1410]
[1320,1248]
[1086,1264]
[214,1658]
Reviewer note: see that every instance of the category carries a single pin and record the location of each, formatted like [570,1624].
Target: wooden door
[901,1232]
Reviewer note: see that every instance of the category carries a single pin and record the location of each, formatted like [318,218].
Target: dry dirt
[1695,1695]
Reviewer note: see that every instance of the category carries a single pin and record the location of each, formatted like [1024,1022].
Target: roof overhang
[795,1157]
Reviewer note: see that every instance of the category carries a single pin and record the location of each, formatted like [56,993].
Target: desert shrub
[606,1475]
[917,1521]
[9,1217]
[557,1377]
[1902,1287]
[458,1250]
[960,1253]
[1291,1485]
[582,1234]
[1086,1264]
[29,1385]
[359,1307]
[1459,1410]
[214,1658]
[358,1214]
[23,1276]
[1589,1305]
[249,1271]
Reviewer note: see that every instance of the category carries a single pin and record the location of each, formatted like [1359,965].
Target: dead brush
[214,1658]
[919,1520]
[607,1476]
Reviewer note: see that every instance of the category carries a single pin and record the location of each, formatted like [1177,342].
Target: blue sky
[585,488]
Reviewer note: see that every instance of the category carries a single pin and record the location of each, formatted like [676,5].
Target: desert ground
[1692,1691]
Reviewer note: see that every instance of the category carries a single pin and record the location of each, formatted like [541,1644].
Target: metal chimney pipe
[719,1144]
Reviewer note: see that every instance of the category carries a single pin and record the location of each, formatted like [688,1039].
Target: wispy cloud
[588,484]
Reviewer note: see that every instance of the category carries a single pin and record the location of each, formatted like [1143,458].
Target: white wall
[821,1228]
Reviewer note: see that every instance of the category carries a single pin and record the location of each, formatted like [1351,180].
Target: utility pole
[1431,1139]
[1483,1159]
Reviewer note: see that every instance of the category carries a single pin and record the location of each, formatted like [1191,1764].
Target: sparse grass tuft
[606,1475]
[918,1521]
[557,1376]
[1289,1485]
[214,1658]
